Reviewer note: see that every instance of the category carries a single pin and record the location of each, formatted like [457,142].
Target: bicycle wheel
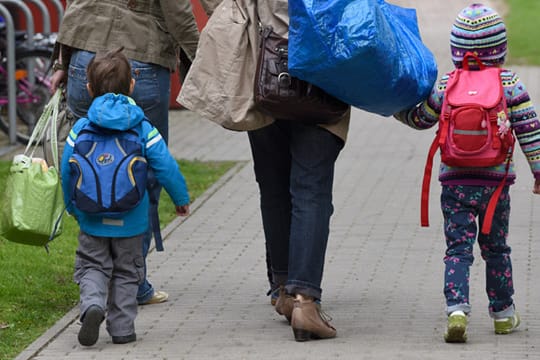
[32,91]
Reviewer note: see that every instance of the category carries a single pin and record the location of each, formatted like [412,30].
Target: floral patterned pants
[461,206]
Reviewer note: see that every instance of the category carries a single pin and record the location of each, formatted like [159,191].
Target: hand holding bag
[32,203]
[283,96]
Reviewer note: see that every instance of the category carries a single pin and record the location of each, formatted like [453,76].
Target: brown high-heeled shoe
[308,321]
[284,304]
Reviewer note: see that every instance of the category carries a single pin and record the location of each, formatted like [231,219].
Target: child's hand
[536,188]
[183,210]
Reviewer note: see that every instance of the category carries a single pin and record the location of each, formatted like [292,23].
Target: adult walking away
[109,261]
[151,31]
[479,31]
[294,168]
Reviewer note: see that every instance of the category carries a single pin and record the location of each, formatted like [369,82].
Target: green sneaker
[456,330]
[506,325]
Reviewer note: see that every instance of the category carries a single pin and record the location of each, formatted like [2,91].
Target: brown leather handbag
[283,96]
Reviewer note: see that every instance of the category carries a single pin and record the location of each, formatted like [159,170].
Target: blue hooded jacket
[119,112]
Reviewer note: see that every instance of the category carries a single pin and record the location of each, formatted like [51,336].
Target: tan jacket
[150,30]
[211,95]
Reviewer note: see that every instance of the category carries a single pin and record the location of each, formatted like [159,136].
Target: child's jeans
[461,206]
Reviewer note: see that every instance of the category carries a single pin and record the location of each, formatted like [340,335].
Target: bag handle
[47,121]
[465,63]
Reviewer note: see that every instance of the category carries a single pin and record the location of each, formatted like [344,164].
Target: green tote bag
[32,202]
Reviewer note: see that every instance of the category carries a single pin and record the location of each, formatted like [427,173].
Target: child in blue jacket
[109,262]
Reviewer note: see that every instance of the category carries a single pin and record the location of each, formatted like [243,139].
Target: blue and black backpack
[108,170]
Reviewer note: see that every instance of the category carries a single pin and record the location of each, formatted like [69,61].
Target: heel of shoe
[301,335]
[309,322]
[284,304]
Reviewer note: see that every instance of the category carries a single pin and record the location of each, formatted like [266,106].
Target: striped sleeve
[524,118]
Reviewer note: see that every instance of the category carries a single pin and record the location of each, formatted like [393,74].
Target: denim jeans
[461,206]
[151,93]
[294,168]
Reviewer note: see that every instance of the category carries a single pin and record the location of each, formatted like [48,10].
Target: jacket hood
[115,111]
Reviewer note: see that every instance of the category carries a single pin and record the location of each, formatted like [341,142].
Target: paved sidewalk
[383,275]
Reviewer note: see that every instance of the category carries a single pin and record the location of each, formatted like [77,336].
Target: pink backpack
[474,129]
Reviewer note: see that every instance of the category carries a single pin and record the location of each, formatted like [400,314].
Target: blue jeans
[294,168]
[151,93]
[461,206]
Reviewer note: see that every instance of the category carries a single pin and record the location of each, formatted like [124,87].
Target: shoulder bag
[283,96]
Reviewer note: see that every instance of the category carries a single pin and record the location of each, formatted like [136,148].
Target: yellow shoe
[158,297]
[506,325]
[456,330]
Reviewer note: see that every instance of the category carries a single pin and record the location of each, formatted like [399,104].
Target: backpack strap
[424,202]
[154,222]
[494,199]
[55,228]
[153,198]
[492,204]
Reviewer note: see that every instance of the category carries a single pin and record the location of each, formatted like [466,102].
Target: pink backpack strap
[492,204]
[424,202]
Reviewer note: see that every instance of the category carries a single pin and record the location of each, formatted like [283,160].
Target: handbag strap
[47,121]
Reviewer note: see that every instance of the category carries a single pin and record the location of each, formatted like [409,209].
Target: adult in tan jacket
[293,162]
[151,33]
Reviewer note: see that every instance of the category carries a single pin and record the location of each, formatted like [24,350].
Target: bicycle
[32,73]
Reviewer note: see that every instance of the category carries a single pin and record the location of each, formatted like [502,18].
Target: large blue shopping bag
[368,53]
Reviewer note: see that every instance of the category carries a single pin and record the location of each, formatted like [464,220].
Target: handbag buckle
[284,79]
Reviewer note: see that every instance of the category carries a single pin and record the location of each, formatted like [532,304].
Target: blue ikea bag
[367,53]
